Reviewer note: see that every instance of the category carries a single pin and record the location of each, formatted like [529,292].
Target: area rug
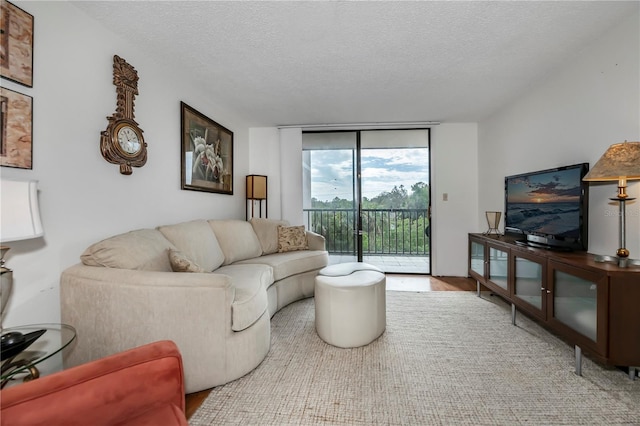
[446,358]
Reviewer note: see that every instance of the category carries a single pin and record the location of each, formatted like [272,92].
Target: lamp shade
[20,218]
[620,162]
[256,187]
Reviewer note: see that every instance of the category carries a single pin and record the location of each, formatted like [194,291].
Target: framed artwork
[16,118]
[207,153]
[16,44]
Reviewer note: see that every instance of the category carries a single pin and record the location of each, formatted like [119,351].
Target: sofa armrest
[117,309]
[316,241]
[125,388]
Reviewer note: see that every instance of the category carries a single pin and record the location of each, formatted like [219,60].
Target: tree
[385,230]
[397,198]
[419,198]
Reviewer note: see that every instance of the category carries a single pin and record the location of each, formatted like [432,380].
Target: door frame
[358,237]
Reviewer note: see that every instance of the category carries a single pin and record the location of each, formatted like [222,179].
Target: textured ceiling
[279,63]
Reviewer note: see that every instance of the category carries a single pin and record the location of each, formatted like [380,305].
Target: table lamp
[20,220]
[621,163]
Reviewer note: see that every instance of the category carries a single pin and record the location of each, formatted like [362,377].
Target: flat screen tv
[549,208]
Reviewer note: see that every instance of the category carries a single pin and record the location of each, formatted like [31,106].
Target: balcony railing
[384,231]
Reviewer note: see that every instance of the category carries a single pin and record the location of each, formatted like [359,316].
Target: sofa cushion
[292,238]
[291,263]
[143,249]
[267,232]
[197,241]
[237,240]
[181,263]
[250,302]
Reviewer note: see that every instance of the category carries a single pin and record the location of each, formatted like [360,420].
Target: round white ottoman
[350,303]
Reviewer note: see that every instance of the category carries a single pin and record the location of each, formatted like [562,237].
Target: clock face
[129,140]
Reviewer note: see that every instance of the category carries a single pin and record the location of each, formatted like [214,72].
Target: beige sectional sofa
[130,290]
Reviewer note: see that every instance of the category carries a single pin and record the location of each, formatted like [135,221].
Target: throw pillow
[180,262]
[291,238]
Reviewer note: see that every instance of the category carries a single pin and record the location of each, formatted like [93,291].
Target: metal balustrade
[384,231]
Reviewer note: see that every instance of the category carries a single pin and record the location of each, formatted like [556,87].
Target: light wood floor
[395,282]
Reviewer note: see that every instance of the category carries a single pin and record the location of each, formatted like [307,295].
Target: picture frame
[206,149]
[16,132]
[16,44]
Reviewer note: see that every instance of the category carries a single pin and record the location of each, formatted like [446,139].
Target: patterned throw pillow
[180,262]
[291,238]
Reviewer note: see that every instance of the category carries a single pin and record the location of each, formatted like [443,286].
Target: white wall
[82,197]
[454,159]
[277,153]
[573,117]
[291,174]
[264,159]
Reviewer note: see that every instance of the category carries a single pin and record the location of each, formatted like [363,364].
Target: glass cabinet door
[476,257]
[528,285]
[575,303]
[498,267]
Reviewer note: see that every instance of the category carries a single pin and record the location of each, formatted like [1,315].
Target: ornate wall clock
[122,142]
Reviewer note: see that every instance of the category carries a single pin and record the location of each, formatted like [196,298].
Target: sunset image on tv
[547,203]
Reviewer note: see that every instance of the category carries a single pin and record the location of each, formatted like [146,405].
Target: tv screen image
[549,206]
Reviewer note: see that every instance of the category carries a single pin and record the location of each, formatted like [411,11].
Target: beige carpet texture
[446,358]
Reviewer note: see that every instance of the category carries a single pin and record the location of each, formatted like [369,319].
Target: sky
[382,169]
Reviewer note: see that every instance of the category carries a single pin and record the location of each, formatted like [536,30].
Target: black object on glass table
[11,338]
[14,342]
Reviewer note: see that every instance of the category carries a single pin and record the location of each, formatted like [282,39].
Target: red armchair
[141,386]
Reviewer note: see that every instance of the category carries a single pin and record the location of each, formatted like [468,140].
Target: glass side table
[55,338]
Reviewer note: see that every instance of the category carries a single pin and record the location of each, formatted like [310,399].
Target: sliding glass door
[331,191]
[368,193]
[394,170]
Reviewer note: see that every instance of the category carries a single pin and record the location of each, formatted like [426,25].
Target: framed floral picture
[16,120]
[207,153]
[16,44]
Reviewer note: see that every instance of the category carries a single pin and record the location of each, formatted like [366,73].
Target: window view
[392,230]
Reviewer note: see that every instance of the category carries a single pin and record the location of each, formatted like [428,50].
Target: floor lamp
[20,220]
[621,163]
[256,191]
